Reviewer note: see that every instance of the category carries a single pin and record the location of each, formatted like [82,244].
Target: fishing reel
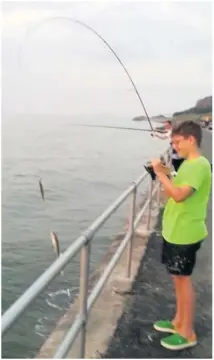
[150,170]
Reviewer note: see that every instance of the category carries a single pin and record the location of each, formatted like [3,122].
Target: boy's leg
[173,325]
[185,305]
[169,259]
[188,307]
[180,311]
[177,321]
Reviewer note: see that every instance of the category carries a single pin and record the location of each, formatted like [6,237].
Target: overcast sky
[62,68]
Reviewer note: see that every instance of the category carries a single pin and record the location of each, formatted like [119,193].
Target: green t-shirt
[184,222]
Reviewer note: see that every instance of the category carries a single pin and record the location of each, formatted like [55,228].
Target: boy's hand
[159,168]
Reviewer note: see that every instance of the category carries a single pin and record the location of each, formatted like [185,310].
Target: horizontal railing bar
[70,336]
[40,284]
[43,281]
[72,333]
[69,339]
[20,305]
[96,225]
[140,179]
[140,214]
[101,282]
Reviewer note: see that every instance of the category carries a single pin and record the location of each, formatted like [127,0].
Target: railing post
[84,276]
[131,230]
[150,203]
[158,194]
[169,157]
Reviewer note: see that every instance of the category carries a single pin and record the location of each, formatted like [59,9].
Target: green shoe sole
[164,330]
[181,344]
[179,347]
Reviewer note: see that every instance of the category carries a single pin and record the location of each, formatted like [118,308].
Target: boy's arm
[164,195]
[160,136]
[178,193]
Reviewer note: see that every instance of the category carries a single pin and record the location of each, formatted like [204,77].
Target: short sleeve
[194,175]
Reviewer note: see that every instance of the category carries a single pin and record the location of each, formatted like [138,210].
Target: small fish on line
[41,190]
[55,244]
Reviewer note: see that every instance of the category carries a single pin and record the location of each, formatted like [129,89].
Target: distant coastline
[203,107]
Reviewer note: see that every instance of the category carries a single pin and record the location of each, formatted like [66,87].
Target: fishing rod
[111,127]
[76,21]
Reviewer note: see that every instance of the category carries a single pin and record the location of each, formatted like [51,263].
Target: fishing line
[42,192]
[53,236]
[73,20]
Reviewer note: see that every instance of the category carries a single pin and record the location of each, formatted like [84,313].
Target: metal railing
[83,244]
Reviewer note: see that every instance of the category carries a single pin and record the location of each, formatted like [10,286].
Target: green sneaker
[178,342]
[164,326]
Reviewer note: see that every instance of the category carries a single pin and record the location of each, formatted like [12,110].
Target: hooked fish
[41,189]
[55,243]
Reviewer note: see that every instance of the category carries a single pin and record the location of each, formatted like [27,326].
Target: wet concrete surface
[152,299]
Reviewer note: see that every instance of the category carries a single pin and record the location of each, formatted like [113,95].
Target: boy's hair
[188,128]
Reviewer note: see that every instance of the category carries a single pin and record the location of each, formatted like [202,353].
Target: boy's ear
[192,139]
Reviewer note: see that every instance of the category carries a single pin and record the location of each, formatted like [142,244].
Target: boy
[184,229]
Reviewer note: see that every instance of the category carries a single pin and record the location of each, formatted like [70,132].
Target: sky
[51,65]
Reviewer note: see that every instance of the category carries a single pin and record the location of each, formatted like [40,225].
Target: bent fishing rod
[76,21]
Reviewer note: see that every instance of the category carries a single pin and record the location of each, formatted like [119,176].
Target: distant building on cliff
[206,120]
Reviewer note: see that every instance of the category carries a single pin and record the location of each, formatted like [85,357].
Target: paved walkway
[152,298]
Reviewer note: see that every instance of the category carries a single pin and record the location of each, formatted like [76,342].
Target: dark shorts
[177,163]
[179,259]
